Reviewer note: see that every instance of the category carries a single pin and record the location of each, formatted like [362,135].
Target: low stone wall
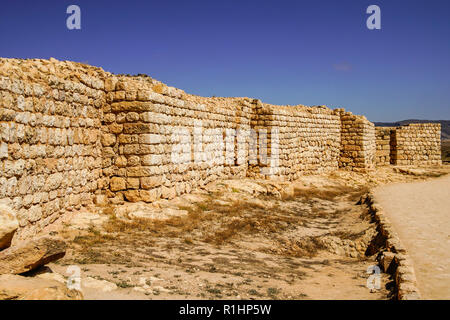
[357,142]
[301,140]
[417,144]
[393,257]
[383,145]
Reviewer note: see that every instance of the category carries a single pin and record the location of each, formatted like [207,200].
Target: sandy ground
[236,239]
[420,213]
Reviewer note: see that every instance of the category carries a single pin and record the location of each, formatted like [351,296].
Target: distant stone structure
[383,143]
[413,144]
[416,144]
[357,142]
[73,134]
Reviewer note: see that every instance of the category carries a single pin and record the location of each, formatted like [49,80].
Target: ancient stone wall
[383,143]
[301,140]
[162,142]
[50,129]
[416,144]
[357,142]
[72,135]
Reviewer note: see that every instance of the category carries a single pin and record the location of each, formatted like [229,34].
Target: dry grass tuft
[219,224]
[306,247]
[329,194]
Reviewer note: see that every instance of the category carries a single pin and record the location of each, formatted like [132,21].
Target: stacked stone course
[383,142]
[50,128]
[71,134]
[417,144]
[357,142]
[162,142]
[307,140]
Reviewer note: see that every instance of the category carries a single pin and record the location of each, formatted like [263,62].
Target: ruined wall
[72,135]
[50,128]
[357,142]
[416,144]
[162,142]
[383,143]
[301,140]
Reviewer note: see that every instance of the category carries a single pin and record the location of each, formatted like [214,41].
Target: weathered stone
[86,220]
[3,150]
[70,131]
[8,225]
[101,285]
[108,139]
[110,84]
[100,199]
[121,162]
[168,193]
[150,195]
[132,195]
[408,291]
[117,184]
[31,255]
[51,276]
[14,287]
[151,182]
[152,213]
[386,260]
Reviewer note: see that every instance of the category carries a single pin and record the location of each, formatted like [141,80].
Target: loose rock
[8,225]
[14,287]
[31,255]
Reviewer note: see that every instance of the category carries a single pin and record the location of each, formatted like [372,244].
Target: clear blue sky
[283,52]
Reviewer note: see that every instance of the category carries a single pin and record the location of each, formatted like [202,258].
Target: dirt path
[420,213]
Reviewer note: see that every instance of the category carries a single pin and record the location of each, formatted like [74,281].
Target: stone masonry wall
[301,140]
[162,142]
[72,135]
[357,142]
[50,128]
[383,142]
[416,144]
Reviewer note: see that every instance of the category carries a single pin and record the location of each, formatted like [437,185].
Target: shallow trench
[308,246]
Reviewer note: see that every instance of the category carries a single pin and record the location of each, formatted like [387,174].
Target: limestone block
[117,184]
